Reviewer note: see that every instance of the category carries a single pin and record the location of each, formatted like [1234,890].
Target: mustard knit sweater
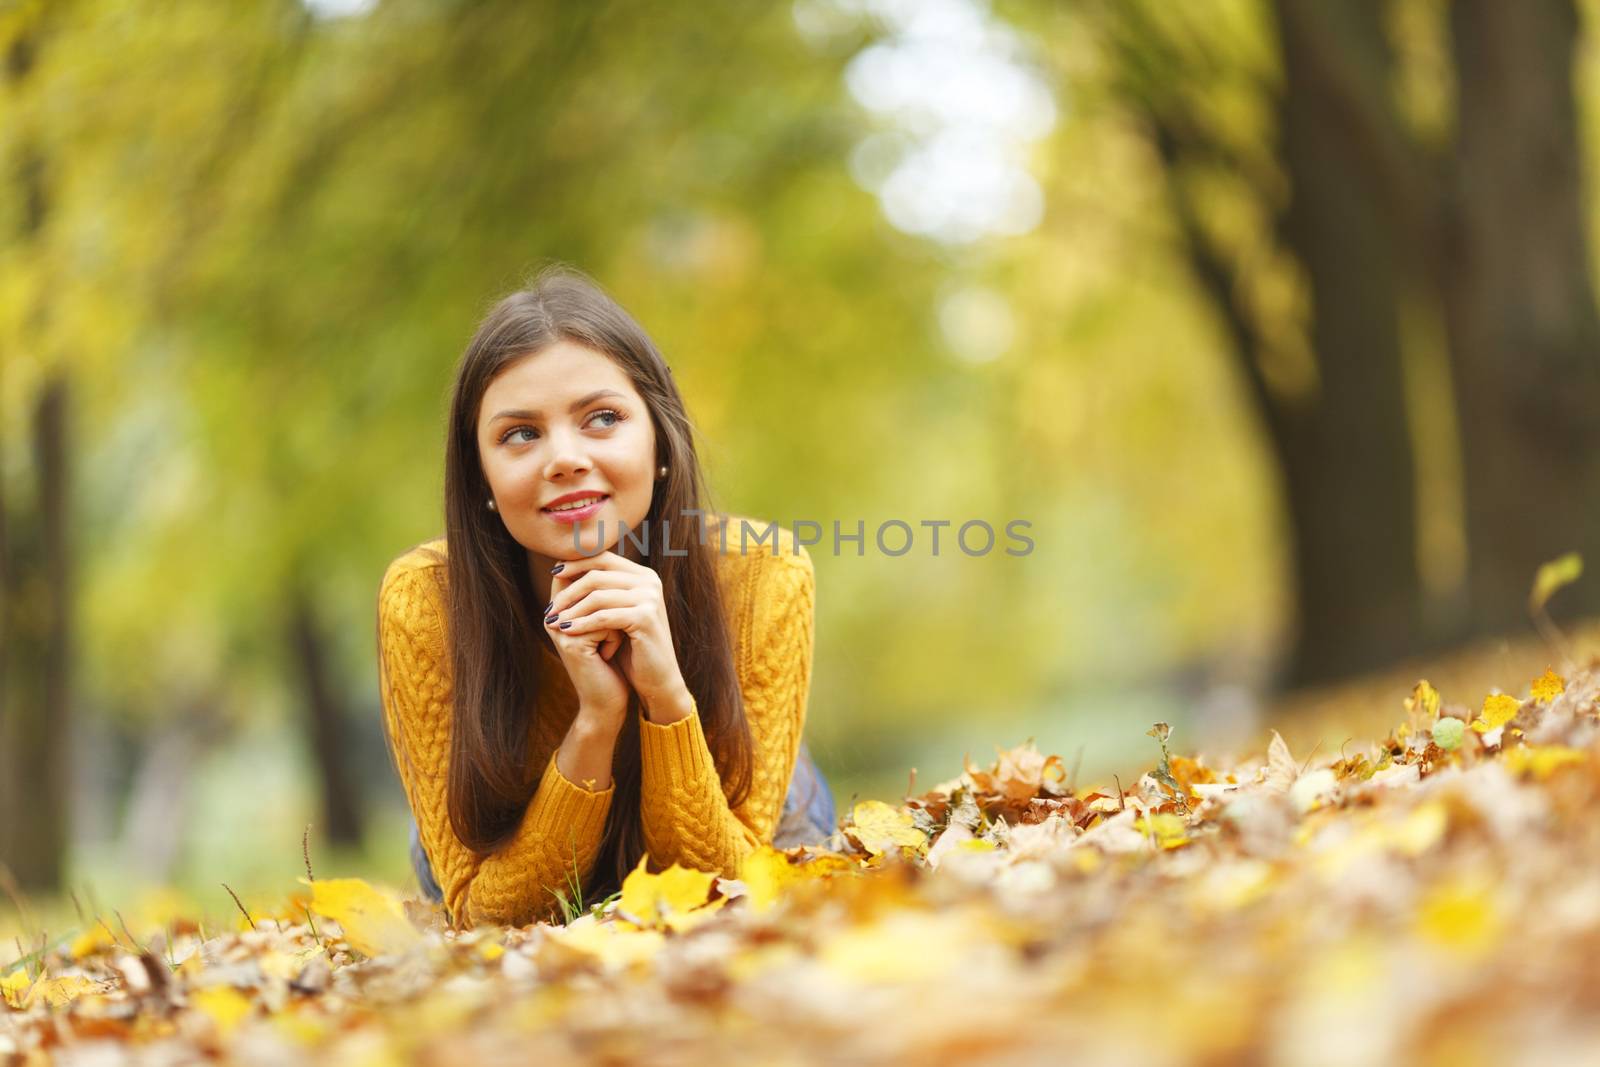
[768,599]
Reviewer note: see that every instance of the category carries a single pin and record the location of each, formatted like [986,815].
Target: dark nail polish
[548,619]
[557,568]
[566,624]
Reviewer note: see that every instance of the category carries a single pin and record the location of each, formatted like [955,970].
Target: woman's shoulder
[759,558]
[412,583]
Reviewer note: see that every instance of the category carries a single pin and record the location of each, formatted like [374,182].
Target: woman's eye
[605,413]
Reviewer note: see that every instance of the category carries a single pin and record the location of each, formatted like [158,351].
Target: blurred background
[1275,318]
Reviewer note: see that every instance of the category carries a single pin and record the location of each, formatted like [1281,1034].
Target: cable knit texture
[769,602]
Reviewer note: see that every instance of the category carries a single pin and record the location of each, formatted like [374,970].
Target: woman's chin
[590,537]
[587,542]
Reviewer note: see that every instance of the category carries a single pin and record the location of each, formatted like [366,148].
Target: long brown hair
[493,622]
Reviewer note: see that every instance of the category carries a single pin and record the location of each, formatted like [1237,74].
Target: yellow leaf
[829,864]
[57,992]
[907,945]
[1424,700]
[766,873]
[223,1005]
[289,909]
[1422,828]
[1232,885]
[1498,709]
[302,1027]
[14,987]
[1460,916]
[373,923]
[614,943]
[880,827]
[1168,829]
[1548,686]
[91,941]
[1541,761]
[1559,572]
[667,898]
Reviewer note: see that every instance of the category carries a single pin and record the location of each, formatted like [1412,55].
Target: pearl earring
[491,505]
[661,472]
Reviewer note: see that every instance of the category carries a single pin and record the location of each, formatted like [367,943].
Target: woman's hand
[608,594]
[601,687]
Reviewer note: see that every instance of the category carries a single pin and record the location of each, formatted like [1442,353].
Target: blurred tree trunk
[35,598]
[1346,456]
[1518,297]
[8,600]
[38,630]
[1490,235]
[330,744]
[1342,449]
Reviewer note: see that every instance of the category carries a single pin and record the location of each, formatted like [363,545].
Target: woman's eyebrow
[581,402]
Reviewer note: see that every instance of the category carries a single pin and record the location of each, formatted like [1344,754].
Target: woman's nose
[566,456]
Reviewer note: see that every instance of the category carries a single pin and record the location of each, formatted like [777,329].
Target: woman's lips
[577,514]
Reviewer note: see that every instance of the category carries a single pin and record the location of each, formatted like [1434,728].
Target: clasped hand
[608,618]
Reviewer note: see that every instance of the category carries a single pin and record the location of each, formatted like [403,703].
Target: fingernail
[566,624]
[557,568]
[550,618]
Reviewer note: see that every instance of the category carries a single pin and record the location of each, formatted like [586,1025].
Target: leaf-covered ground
[1430,898]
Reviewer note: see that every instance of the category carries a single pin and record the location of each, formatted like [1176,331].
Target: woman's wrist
[668,708]
[585,753]
[595,722]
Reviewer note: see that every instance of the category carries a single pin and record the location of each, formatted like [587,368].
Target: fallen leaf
[1281,770]
[14,987]
[1541,761]
[1548,686]
[666,899]
[1498,709]
[225,1006]
[373,923]
[880,827]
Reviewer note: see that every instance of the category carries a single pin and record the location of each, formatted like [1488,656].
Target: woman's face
[566,420]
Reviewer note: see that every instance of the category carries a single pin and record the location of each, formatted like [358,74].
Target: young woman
[560,698]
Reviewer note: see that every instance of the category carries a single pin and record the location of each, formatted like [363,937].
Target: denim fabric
[808,812]
[419,863]
[809,818]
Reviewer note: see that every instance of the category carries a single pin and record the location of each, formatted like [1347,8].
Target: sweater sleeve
[686,816]
[561,830]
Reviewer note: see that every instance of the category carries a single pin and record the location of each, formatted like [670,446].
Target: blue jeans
[808,818]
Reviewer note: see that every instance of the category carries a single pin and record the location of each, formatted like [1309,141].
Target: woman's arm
[687,818]
[560,833]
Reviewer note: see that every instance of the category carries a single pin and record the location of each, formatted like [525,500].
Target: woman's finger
[604,598]
[572,569]
[564,639]
[583,584]
[622,618]
[607,560]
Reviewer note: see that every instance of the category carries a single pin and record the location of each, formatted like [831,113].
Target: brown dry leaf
[1019,774]
[1282,909]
